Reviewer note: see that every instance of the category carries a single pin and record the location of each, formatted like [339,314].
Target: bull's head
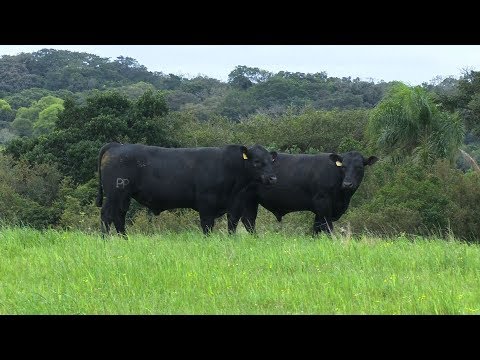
[352,164]
[259,163]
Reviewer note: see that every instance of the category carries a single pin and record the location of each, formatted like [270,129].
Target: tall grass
[54,272]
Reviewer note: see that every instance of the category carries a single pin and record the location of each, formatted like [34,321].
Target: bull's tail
[99,201]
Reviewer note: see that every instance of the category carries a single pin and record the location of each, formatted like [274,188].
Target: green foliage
[463,191]
[6,136]
[47,119]
[471,148]
[80,217]
[243,77]
[177,220]
[29,113]
[320,130]
[27,97]
[408,123]
[81,130]
[151,105]
[39,118]
[256,90]
[237,104]
[134,91]
[74,71]
[6,113]
[22,126]
[28,77]
[15,76]
[416,199]
[27,193]
[467,100]
[82,159]
[189,132]
[306,131]
[177,99]
[349,143]
[77,206]
[15,209]
[204,87]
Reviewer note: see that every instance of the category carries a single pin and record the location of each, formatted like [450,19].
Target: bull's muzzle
[347,185]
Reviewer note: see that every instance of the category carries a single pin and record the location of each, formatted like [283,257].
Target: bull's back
[163,178]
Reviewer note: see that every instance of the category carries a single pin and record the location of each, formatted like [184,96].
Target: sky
[411,64]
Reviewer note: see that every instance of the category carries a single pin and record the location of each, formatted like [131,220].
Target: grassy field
[73,273]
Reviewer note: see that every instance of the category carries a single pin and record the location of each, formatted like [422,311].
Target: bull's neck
[241,181]
[347,194]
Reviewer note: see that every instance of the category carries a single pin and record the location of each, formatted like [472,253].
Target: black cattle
[322,183]
[209,180]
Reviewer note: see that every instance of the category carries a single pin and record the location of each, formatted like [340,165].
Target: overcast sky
[412,64]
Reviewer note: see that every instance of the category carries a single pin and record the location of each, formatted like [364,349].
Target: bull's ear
[274,155]
[370,161]
[244,152]
[337,159]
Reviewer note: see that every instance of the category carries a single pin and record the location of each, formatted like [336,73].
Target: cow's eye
[256,163]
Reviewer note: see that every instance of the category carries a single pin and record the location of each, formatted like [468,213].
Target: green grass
[56,272]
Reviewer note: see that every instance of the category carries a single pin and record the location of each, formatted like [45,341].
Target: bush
[80,217]
[463,192]
[18,210]
[422,200]
[27,193]
[177,220]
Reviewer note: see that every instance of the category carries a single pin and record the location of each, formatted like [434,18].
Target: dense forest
[57,108]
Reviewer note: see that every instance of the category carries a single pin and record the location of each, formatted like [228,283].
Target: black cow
[322,183]
[210,180]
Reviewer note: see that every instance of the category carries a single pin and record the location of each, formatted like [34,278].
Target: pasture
[55,272]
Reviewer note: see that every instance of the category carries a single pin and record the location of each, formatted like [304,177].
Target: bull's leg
[104,227]
[322,223]
[119,222]
[322,204]
[250,209]
[106,217]
[232,220]
[120,214]
[250,216]
[235,210]
[206,205]
[207,222]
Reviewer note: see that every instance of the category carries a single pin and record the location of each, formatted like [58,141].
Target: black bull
[211,180]
[322,183]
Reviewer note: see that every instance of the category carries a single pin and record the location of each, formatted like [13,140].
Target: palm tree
[408,123]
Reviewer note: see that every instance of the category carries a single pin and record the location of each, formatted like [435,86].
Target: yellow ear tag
[338,163]
[245,156]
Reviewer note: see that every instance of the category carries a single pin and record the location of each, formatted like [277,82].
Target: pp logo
[121,183]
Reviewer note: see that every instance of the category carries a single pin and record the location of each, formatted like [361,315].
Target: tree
[73,140]
[39,118]
[26,97]
[151,104]
[22,126]
[146,124]
[134,91]
[6,113]
[47,119]
[242,77]
[468,100]
[14,75]
[407,122]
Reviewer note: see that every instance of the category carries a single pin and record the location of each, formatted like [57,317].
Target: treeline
[29,77]
[423,183]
